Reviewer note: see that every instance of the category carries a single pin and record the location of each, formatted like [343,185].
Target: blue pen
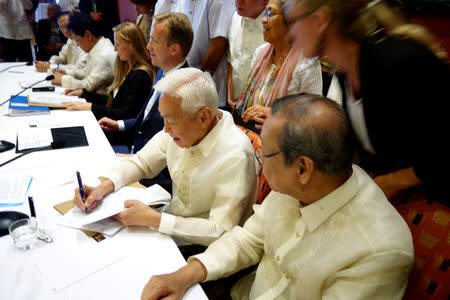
[80,185]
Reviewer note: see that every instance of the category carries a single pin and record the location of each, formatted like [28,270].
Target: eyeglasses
[268,13]
[260,158]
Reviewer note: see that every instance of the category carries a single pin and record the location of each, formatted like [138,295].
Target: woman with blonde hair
[394,79]
[133,78]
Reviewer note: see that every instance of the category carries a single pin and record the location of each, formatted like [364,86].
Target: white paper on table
[106,226]
[114,204]
[54,122]
[50,98]
[14,188]
[59,90]
[61,266]
[34,137]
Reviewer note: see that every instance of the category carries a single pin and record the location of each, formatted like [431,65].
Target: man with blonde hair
[211,163]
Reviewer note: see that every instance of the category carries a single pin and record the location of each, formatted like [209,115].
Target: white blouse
[307,75]
[355,110]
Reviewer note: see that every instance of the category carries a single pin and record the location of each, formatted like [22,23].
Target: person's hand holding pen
[93,196]
[74,92]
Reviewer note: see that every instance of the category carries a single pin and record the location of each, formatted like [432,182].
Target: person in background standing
[145,9]
[15,31]
[103,12]
[68,5]
[244,36]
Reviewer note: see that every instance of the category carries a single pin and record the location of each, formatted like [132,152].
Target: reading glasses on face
[267,13]
[260,158]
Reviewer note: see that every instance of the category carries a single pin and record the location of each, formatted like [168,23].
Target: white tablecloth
[141,253]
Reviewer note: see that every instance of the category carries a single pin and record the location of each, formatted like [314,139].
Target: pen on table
[80,185]
[31,203]
[16,72]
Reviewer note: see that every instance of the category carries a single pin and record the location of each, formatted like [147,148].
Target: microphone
[49,77]
[53,145]
[26,64]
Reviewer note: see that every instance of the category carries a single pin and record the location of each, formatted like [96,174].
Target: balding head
[316,127]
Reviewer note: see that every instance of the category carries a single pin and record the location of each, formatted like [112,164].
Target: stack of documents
[98,219]
[18,106]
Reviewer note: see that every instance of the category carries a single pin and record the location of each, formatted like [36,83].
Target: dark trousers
[15,50]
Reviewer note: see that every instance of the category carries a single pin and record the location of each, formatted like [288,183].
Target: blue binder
[18,106]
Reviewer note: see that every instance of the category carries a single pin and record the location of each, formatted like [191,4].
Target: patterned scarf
[278,83]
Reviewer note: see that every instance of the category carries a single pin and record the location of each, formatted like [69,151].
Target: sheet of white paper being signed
[98,219]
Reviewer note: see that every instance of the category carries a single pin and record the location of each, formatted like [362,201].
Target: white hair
[195,88]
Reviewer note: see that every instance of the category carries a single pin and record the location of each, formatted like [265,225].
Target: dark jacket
[43,32]
[404,90]
[144,129]
[110,17]
[130,97]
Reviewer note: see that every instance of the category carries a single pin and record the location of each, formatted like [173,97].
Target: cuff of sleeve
[67,70]
[211,264]
[117,181]
[65,81]
[52,66]
[167,223]
[121,125]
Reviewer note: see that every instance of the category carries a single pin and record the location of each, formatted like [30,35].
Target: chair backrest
[263,185]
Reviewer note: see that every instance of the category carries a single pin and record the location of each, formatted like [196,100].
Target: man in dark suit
[169,46]
[104,12]
[49,37]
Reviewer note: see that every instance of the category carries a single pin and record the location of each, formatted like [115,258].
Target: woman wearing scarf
[278,69]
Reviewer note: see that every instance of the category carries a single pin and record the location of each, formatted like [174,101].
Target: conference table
[74,265]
